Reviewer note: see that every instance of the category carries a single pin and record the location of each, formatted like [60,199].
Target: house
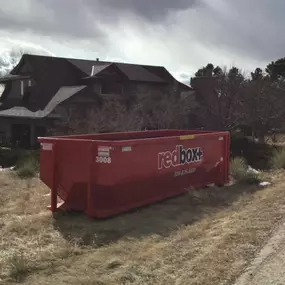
[42,89]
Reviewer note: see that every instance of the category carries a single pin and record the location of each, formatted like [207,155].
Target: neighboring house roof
[62,94]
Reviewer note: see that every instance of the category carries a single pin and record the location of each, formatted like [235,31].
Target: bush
[9,157]
[28,168]
[278,159]
[26,162]
[16,157]
[240,173]
[258,155]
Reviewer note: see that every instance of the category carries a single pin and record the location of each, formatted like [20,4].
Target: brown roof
[134,72]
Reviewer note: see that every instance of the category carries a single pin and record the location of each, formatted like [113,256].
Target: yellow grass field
[204,237]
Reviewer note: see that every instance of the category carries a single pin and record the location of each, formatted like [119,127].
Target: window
[26,86]
[109,88]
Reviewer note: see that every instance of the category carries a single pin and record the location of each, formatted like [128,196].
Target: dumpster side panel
[140,173]
[136,160]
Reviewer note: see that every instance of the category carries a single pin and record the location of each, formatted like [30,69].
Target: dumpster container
[106,174]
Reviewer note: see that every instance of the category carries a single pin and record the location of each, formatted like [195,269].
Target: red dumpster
[106,174]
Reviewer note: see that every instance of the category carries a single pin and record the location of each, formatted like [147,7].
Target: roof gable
[85,66]
[23,66]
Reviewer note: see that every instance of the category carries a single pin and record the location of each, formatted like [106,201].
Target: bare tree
[264,103]
[151,109]
[220,99]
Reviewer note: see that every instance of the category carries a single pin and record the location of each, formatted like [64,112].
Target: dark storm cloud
[65,18]
[247,28]
[152,10]
[81,18]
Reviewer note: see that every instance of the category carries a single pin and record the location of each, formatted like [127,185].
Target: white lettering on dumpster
[184,172]
[103,159]
[104,150]
[103,155]
[46,146]
[179,156]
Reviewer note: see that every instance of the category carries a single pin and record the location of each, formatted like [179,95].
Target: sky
[182,35]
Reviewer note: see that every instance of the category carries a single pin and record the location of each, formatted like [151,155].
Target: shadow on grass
[156,219]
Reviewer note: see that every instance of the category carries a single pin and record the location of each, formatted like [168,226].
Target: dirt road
[269,266]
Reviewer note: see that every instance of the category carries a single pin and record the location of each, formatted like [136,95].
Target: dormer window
[26,85]
[22,87]
[111,88]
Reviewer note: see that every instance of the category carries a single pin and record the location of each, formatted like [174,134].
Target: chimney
[97,59]
[92,71]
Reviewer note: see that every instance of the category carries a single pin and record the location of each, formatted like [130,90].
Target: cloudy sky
[181,35]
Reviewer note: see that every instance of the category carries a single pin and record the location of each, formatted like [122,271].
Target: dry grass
[204,237]
[240,173]
[278,159]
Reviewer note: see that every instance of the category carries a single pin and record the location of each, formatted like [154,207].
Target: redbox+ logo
[179,156]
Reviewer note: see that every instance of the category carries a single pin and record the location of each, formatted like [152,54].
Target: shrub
[28,168]
[15,156]
[9,157]
[26,171]
[256,154]
[27,165]
[240,172]
[278,159]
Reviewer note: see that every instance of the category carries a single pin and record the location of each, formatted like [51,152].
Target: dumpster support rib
[89,203]
[54,186]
